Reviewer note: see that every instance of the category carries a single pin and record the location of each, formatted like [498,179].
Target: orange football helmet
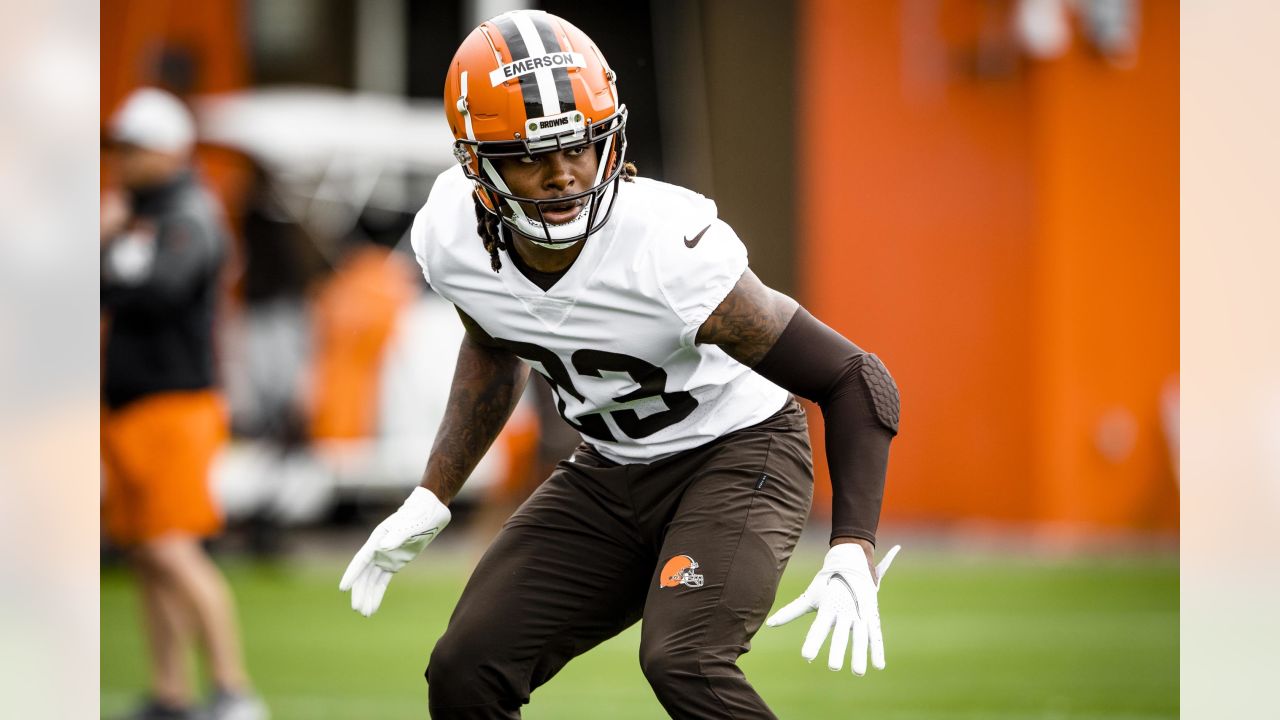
[527,82]
[680,570]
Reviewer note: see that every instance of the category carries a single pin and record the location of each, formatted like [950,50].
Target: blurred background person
[163,421]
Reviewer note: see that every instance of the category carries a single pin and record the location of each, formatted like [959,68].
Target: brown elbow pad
[860,408]
[883,391]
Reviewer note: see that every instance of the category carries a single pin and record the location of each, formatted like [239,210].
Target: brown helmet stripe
[519,51]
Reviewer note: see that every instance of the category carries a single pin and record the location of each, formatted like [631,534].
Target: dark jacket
[159,287]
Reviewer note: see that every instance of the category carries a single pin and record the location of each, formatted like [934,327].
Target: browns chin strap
[859,402]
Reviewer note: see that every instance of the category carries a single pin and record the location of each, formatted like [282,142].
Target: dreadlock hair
[489,227]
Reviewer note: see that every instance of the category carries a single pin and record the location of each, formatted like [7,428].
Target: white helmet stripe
[496,178]
[604,159]
[546,81]
[466,115]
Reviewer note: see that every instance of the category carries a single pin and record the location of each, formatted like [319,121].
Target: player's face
[551,175]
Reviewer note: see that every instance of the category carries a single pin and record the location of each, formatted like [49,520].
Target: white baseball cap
[154,119]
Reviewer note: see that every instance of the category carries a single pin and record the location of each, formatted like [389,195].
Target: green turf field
[967,637]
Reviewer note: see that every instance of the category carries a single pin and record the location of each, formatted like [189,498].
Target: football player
[677,365]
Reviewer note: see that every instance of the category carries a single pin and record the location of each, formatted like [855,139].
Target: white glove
[395,542]
[844,595]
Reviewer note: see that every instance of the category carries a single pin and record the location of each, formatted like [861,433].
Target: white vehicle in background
[333,157]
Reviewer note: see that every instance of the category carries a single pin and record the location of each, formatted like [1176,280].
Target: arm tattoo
[486,385]
[748,321]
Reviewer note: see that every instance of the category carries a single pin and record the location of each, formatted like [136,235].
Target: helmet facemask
[607,136]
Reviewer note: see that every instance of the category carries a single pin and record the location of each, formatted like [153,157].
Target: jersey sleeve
[699,272]
[437,223]
[421,242]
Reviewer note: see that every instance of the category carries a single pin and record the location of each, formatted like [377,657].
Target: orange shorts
[156,454]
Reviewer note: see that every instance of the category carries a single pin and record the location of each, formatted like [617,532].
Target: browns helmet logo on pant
[680,570]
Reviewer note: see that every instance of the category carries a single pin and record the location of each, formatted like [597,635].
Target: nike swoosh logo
[423,534]
[856,606]
[696,238]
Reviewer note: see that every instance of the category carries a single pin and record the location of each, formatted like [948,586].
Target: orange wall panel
[133,35]
[134,32]
[915,206]
[1106,144]
[1007,242]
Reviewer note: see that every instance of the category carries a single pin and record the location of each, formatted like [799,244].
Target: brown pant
[600,545]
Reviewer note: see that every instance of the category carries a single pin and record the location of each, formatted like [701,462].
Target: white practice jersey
[615,334]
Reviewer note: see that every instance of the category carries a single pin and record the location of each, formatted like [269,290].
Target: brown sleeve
[859,402]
